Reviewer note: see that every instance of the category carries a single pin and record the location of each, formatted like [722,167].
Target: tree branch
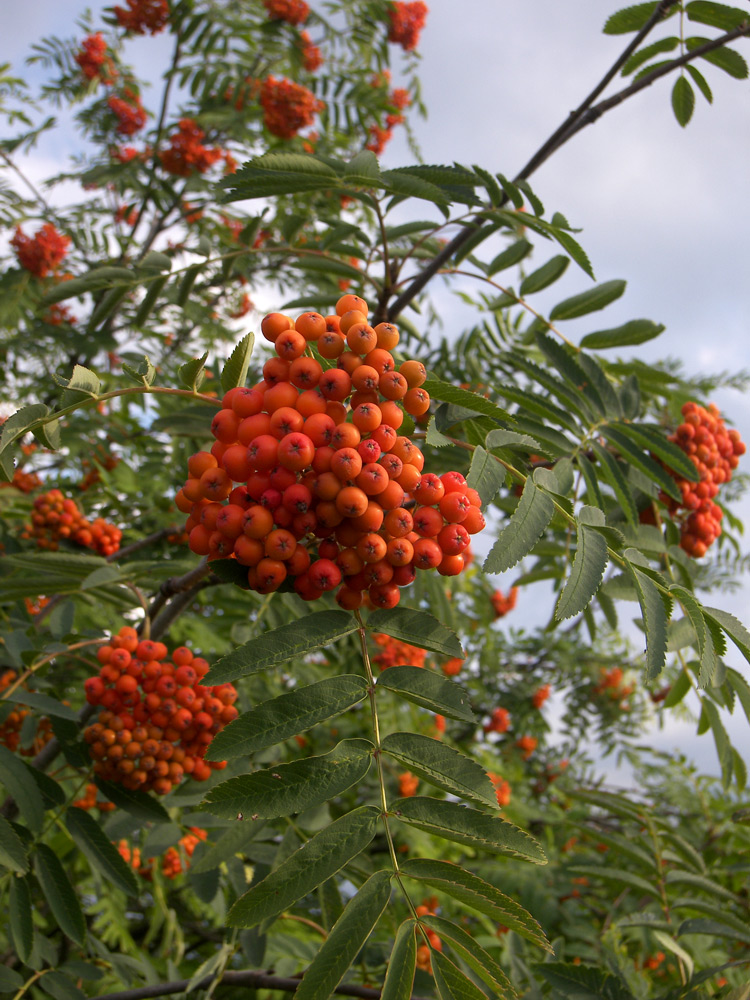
[247,978]
[584,115]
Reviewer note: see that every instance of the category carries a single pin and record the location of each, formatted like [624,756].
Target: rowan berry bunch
[499,721]
[90,800]
[613,687]
[452,668]
[424,959]
[186,153]
[287,106]
[406,23]
[56,517]
[25,482]
[527,745]
[41,253]
[292,11]
[312,57]
[502,789]
[173,862]
[408,784]
[329,494]
[541,694]
[101,459]
[156,718]
[11,726]
[143,17]
[394,652]
[503,603]
[93,59]
[129,112]
[715,452]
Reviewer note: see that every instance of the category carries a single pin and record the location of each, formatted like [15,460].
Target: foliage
[404,797]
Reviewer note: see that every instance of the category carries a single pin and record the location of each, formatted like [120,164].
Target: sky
[666,208]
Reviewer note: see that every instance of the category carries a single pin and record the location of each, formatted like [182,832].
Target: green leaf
[18,423]
[613,474]
[234,372]
[590,301]
[683,100]
[693,610]
[317,860]
[60,894]
[10,980]
[511,439]
[654,621]
[430,690]
[279,173]
[700,81]
[545,275]
[138,804]
[192,373]
[442,766]
[619,875]
[15,777]
[727,59]
[463,825]
[83,384]
[59,986]
[636,331]
[282,644]
[733,628]
[582,982]
[718,15]
[12,851]
[468,888]
[512,255]
[523,530]
[449,393]
[237,840]
[472,953]
[451,983]
[721,740]
[348,937]
[418,628]
[21,921]
[586,574]
[486,475]
[146,306]
[291,713]
[648,436]
[642,55]
[629,19]
[99,279]
[399,977]
[294,787]
[99,850]
[363,169]
[145,373]
[641,460]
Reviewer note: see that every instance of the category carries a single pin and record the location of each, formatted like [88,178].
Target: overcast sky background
[666,208]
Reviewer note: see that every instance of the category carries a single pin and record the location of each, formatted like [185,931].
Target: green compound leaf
[291,713]
[234,372]
[60,894]
[451,983]
[430,690]
[636,331]
[629,18]
[282,644]
[472,953]
[15,777]
[399,977]
[718,15]
[442,766]
[523,530]
[294,787]
[683,100]
[21,919]
[317,860]
[12,851]
[586,574]
[347,938]
[418,628]
[449,393]
[734,628]
[468,826]
[486,475]
[468,888]
[99,850]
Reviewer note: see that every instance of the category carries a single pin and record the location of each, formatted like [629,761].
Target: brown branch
[247,978]
[584,115]
[177,585]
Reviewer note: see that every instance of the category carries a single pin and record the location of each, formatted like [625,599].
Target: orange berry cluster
[293,11]
[41,253]
[426,908]
[611,684]
[93,59]
[715,452]
[452,668]
[408,784]
[143,16]
[541,694]
[503,603]
[393,652]
[101,460]
[129,112]
[499,721]
[156,717]
[26,482]
[312,57]
[527,745]
[186,153]
[10,728]
[55,516]
[502,789]
[380,135]
[287,106]
[330,495]
[89,800]
[407,20]
[173,862]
